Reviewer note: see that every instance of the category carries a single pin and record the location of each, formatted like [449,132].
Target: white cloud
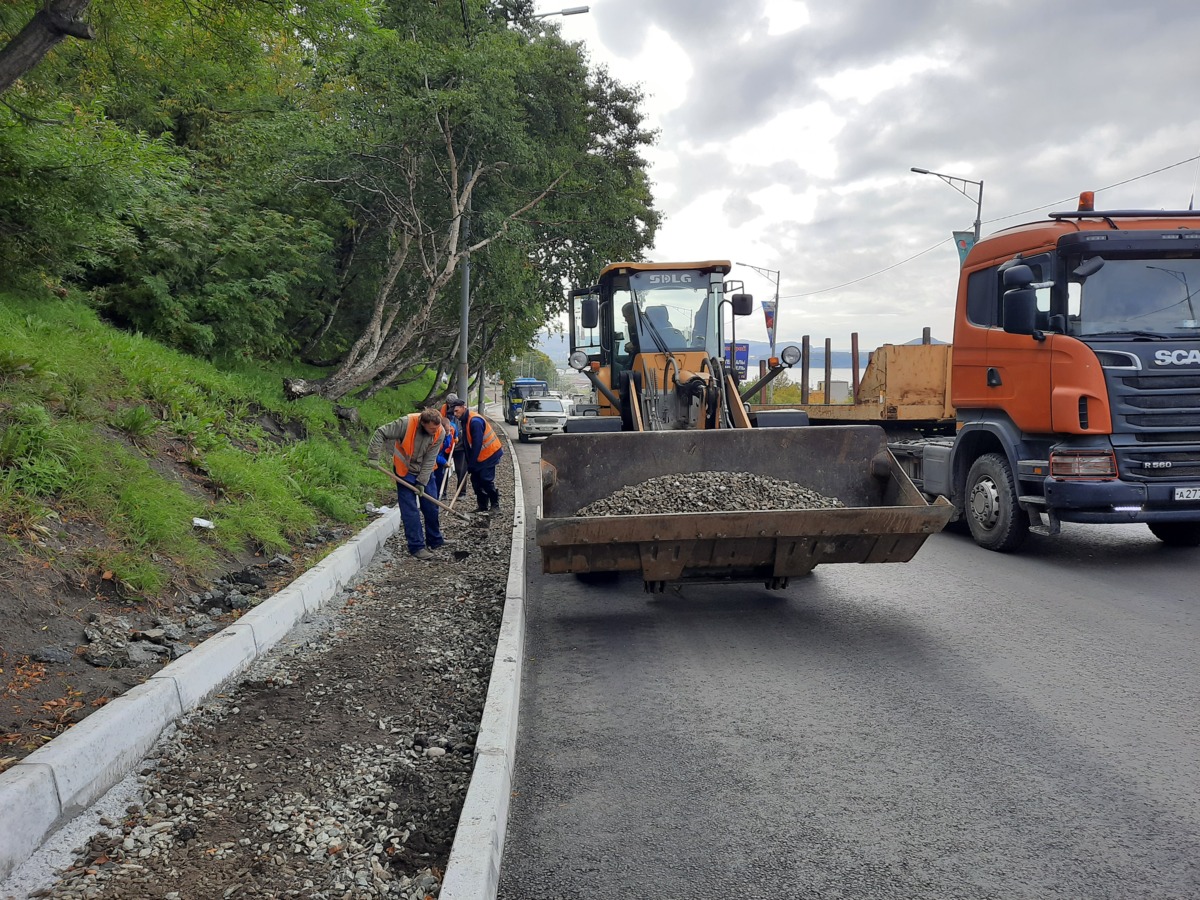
[805,136]
[788,130]
[784,16]
[864,84]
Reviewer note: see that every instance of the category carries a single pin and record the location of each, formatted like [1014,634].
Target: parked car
[541,417]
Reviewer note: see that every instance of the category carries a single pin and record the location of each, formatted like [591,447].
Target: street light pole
[464,306]
[773,275]
[960,185]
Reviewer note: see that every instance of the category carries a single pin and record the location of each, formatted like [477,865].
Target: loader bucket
[885,520]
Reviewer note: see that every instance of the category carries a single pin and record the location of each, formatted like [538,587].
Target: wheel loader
[650,339]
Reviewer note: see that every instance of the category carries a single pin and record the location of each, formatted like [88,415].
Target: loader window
[666,306]
[585,339]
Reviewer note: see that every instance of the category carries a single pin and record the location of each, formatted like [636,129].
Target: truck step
[1050,527]
[1032,500]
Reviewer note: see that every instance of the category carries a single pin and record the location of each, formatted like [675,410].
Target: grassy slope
[99,424]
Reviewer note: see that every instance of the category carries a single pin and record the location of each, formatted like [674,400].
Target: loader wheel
[1176,534]
[992,511]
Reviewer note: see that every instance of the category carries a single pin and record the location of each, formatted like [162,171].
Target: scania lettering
[1177,357]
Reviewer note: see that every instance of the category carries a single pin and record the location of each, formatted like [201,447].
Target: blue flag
[964,240]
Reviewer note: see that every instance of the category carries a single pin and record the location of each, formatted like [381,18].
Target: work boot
[424,554]
[495,503]
[482,506]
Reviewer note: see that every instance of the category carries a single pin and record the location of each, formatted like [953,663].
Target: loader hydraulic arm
[602,387]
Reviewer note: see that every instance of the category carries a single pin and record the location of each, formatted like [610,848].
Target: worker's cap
[455,403]
[452,400]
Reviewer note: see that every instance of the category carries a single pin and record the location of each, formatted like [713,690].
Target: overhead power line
[1175,165]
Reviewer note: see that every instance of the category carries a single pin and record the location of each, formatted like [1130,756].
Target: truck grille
[1161,413]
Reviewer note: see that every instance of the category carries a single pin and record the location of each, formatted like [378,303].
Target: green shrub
[136,421]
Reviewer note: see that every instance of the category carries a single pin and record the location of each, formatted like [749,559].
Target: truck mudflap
[885,518]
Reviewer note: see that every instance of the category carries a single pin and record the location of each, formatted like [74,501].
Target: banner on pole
[964,240]
[769,311]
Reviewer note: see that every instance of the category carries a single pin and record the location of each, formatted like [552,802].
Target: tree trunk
[346,250]
[50,25]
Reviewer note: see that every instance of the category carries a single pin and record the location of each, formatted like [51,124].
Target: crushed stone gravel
[709,492]
[337,766]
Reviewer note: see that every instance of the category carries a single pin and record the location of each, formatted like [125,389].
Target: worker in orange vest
[445,454]
[415,440]
[483,451]
[452,410]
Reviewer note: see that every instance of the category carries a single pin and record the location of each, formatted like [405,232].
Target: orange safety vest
[447,446]
[404,449]
[491,443]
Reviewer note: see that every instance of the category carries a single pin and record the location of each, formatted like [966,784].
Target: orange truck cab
[1076,379]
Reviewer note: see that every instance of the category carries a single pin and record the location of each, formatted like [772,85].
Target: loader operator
[416,440]
[631,332]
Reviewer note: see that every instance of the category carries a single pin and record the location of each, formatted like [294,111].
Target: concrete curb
[474,869]
[67,775]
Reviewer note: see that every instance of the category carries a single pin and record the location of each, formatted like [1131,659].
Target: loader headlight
[578,360]
[790,355]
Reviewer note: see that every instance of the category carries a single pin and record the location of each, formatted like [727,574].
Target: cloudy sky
[788,130]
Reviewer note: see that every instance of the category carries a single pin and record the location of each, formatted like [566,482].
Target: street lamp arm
[960,185]
[569,11]
[765,272]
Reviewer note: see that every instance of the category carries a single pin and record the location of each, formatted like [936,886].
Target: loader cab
[649,308]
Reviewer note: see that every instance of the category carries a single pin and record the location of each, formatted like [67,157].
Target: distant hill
[556,346]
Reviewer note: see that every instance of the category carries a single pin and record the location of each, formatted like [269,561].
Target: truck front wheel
[1177,534]
[991,508]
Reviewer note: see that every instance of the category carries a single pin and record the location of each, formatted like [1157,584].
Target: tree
[536,364]
[50,25]
[500,131]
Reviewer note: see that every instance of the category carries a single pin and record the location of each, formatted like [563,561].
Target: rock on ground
[338,765]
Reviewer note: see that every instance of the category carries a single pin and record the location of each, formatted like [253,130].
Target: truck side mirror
[743,304]
[1020,301]
[589,312]
[1020,311]
[1018,277]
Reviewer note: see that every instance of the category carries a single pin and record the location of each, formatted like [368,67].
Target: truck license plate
[1187,493]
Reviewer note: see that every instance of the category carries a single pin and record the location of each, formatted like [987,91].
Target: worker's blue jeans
[483,483]
[411,512]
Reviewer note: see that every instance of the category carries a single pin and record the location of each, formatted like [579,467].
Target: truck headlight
[790,355]
[578,360]
[1083,464]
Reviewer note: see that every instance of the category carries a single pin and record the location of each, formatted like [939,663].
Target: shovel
[392,475]
[458,493]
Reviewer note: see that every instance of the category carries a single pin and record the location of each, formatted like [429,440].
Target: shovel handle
[396,478]
[458,492]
